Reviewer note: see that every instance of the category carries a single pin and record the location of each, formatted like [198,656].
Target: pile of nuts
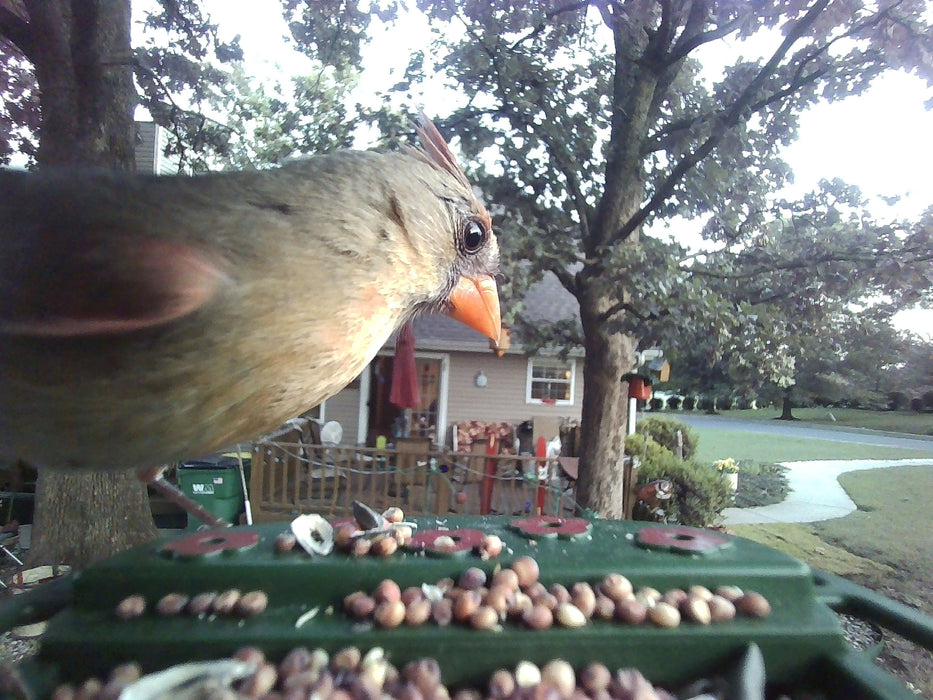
[360,540]
[516,594]
[228,603]
[350,675]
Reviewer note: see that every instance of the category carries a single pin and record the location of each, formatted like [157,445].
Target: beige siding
[150,150]
[344,408]
[503,397]
[145,148]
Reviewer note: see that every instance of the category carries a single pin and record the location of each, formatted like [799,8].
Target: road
[856,436]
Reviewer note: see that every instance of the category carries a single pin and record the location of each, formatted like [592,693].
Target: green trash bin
[214,482]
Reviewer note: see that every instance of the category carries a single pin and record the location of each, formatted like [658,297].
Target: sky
[880,141]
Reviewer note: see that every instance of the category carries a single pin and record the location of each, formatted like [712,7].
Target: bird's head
[470,294]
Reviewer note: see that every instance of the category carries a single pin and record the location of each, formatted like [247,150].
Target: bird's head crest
[436,150]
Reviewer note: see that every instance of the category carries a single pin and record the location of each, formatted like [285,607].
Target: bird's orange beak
[475,302]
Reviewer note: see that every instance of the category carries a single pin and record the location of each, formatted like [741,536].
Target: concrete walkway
[815,493]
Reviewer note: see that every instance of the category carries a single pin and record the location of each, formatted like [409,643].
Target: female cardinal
[146,320]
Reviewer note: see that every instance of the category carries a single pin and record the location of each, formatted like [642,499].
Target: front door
[386,419]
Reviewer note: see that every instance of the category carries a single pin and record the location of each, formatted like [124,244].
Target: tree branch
[548,16]
[18,32]
[686,43]
[728,119]
[565,278]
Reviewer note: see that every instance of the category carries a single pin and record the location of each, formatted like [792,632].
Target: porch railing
[289,478]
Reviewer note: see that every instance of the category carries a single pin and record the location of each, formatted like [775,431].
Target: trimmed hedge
[700,493]
[664,431]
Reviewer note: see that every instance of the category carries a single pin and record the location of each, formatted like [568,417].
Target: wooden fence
[292,477]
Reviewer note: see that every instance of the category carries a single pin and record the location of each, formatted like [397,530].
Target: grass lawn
[890,421]
[883,545]
[763,448]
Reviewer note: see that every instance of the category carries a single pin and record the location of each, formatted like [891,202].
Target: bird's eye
[474,236]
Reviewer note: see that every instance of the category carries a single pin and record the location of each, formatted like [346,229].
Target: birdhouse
[639,386]
[505,340]
[660,369]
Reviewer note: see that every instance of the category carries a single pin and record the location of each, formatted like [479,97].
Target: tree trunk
[786,405]
[82,56]
[85,517]
[605,408]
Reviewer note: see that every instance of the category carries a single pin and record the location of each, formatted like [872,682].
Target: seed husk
[417,612]
[465,605]
[595,677]
[171,604]
[560,592]
[425,674]
[295,661]
[505,577]
[631,611]
[442,612]
[561,676]
[664,615]
[696,609]
[394,514]
[490,547]
[347,659]
[389,614]
[753,604]
[674,596]
[538,617]
[225,602]
[361,546]
[251,604]
[285,542]
[527,570]
[130,607]
[202,603]
[569,615]
[484,618]
[501,684]
[527,675]
[472,579]
[260,682]
[384,546]
[584,597]
[616,586]
[605,607]
[721,609]
[387,591]
[359,605]
[732,593]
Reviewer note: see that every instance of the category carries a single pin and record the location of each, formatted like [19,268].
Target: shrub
[897,400]
[664,432]
[673,403]
[928,401]
[916,405]
[700,494]
[656,404]
[690,403]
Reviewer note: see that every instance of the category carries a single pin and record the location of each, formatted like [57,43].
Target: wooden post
[541,454]
[489,475]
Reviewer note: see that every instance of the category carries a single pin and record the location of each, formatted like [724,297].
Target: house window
[550,380]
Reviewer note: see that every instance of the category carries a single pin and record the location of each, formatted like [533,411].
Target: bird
[146,320]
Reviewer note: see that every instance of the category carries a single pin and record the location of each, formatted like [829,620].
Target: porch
[292,477]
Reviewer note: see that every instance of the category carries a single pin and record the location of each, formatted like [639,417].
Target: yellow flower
[726,466]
